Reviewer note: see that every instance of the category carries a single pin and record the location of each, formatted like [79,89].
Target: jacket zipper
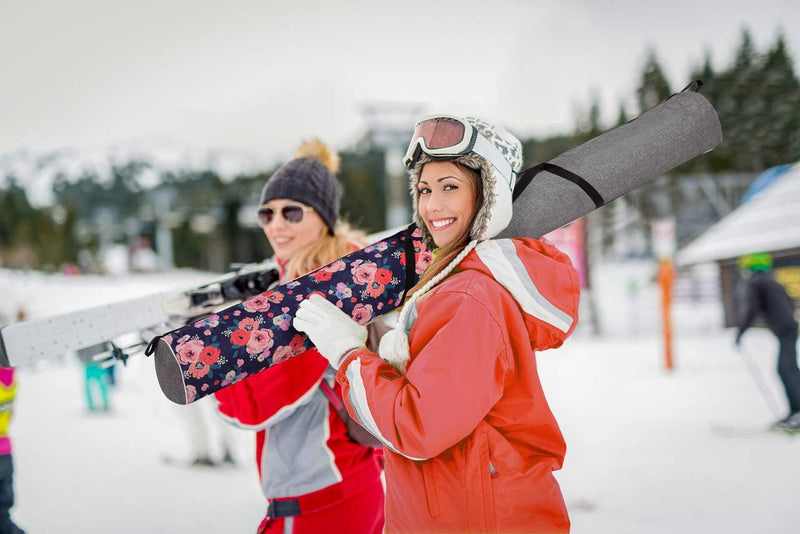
[492,470]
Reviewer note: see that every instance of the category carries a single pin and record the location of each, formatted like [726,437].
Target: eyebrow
[440,179]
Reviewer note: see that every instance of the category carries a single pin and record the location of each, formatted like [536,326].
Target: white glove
[329,328]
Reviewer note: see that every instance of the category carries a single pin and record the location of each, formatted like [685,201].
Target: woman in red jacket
[470,442]
[315,477]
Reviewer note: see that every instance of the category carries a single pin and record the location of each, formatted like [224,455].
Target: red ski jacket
[470,441]
[302,446]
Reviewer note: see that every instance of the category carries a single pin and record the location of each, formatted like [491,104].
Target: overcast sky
[261,75]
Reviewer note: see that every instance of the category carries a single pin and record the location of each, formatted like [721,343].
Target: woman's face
[446,200]
[285,237]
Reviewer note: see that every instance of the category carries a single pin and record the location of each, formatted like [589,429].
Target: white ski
[30,341]
[27,342]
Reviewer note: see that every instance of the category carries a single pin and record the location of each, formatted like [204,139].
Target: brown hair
[446,254]
[326,249]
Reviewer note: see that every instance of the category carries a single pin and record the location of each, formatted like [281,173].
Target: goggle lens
[291,213]
[441,132]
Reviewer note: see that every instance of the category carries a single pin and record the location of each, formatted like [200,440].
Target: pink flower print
[293,284]
[343,291]
[208,322]
[240,337]
[191,393]
[249,324]
[189,351]
[274,296]
[362,313]
[375,289]
[422,262]
[383,245]
[260,341]
[257,303]
[199,369]
[336,266]
[204,387]
[364,273]
[282,354]
[239,363]
[282,321]
[416,233]
[168,339]
[232,378]
[206,332]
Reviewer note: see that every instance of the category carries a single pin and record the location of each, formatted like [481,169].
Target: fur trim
[319,151]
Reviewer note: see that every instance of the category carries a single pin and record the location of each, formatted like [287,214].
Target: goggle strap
[484,148]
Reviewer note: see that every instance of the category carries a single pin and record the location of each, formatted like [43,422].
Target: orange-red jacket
[470,441]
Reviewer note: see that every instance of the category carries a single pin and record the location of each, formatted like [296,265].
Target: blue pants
[7,526]
[96,378]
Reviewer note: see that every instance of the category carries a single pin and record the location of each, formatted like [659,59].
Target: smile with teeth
[282,240]
[442,223]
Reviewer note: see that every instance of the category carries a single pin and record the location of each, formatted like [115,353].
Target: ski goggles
[444,137]
[292,213]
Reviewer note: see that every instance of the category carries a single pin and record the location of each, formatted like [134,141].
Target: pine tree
[653,85]
[780,122]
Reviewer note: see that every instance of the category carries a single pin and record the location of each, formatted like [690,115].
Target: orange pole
[666,277]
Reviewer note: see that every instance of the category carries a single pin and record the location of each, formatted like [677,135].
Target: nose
[434,201]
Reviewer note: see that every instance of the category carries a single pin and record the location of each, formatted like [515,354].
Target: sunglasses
[445,137]
[292,213]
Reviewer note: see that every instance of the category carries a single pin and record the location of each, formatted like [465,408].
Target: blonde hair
[447,254]
[326,249]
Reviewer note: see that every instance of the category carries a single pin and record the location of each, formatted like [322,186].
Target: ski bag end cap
[169,373]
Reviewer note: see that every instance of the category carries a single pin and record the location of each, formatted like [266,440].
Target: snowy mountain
[35,171]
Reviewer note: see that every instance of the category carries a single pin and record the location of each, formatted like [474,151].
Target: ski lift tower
[389,126]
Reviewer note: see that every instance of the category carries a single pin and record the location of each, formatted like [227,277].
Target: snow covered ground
[648,450]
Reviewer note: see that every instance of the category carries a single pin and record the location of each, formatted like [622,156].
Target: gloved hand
[329,328]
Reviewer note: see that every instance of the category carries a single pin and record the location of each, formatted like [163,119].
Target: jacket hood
[540,278]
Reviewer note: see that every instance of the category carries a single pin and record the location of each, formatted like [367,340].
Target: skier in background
[203,429]
[8,390]
[767,298]
[315,474]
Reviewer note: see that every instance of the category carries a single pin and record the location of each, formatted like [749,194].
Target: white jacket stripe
[500,256]
[358,400]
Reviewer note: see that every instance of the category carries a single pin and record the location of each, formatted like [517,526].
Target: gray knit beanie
[310,179]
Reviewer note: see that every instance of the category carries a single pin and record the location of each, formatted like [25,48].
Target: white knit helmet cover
[495,214]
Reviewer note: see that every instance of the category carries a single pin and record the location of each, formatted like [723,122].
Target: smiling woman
[313,471]
[453,392]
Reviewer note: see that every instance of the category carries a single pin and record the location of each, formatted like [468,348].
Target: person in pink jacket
[454,394]
[8,391]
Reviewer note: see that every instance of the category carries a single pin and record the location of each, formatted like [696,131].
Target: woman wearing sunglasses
[470,443]
[314,475]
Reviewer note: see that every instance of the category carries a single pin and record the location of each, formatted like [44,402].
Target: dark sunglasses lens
[293,214]
[265,216]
